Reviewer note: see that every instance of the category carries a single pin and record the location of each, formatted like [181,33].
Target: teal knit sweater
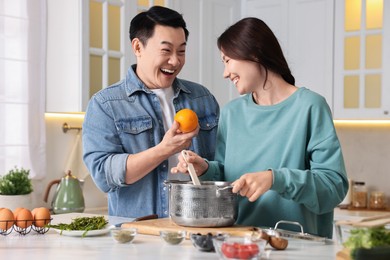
[296,139]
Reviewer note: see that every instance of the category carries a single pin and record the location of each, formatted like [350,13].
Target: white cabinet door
[362,60]
[76,68]
[206,20]
[64,51]
[304,29]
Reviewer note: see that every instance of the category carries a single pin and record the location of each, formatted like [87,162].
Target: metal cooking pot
[211,204]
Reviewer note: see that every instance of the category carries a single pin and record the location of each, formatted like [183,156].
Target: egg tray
[25,231]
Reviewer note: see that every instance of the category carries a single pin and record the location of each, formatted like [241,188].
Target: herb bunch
[16,182]
[82,223]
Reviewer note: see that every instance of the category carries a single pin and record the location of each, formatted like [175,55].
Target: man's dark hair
[143,24]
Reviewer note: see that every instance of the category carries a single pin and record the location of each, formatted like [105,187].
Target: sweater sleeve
[322,186]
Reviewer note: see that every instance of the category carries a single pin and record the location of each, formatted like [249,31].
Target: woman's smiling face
[245,75]
[162,58]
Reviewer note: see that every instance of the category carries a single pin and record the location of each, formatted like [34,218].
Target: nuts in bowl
[239,248]
[123,235]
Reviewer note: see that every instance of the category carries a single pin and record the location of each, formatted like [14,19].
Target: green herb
[82,223]
[368,238]
[16,182]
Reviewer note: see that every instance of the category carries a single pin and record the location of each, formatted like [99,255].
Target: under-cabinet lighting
[65,115]
[362,123]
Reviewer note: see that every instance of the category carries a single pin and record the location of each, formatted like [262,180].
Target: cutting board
[373,221]
[154,226]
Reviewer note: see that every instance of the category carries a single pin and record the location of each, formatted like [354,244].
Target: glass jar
[359,195]
[377,200]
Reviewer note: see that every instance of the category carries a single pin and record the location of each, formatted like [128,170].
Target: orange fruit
[187,119]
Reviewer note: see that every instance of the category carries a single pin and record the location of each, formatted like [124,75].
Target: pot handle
[289,222]
[219,189]
[225,188]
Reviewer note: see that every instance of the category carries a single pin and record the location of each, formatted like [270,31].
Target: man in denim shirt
[130,139]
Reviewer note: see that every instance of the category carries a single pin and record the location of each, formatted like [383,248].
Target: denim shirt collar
[134,84]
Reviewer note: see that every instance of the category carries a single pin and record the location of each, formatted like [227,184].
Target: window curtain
[22,86]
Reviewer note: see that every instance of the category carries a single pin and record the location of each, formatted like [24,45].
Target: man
[130,139]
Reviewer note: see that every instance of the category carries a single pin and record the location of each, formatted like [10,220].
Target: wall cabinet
[304,29]
[206,20]
[312,34]
[87,49]
[362,59]
[64,77]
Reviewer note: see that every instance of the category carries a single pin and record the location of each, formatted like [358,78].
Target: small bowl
[205,243]
[239,248]
[123,235]
[173,237]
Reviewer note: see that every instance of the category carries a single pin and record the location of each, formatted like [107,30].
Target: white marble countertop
[51,245]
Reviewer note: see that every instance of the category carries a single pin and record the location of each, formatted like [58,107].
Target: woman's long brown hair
[251,39]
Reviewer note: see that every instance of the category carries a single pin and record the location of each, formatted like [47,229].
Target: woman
[277,143]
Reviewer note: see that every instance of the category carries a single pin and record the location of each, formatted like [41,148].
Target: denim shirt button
[165,188]
[166,213]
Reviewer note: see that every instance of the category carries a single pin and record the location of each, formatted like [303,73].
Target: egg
[6,219]
[41,216]
[17,210]
[24,218]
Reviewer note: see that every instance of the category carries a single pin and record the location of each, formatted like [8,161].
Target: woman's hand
[253,185]
[199,163]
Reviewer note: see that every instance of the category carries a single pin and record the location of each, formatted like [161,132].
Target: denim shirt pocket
[134,125]
[204,143]
[208,123]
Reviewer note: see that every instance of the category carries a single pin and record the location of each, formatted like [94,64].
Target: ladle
[191,169]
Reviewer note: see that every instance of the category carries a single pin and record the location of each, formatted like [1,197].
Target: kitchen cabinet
[206,20]
[362,59]
[84,58]
[64,56]
[304,29]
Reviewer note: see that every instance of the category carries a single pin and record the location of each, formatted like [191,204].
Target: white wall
[367,155]
[58,147]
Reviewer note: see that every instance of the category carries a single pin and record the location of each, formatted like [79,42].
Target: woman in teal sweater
[277,143]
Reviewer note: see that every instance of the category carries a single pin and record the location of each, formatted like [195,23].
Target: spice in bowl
[123,235]
[173,237]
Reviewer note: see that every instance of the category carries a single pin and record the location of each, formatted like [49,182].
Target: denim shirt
[126,118]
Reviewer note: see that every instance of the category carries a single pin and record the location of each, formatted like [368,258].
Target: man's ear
[137,46]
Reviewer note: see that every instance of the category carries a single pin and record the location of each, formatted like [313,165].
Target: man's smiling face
[162,58]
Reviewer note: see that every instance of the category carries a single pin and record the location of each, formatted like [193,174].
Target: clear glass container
[359,195]
[377,200]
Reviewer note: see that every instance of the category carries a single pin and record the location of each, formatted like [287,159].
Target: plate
[79,233]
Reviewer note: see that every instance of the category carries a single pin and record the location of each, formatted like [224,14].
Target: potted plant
[15,189]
